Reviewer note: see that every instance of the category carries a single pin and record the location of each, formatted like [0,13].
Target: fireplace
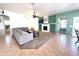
[45,27]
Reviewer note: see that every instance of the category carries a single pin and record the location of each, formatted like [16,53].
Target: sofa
[35,33]
[21,36]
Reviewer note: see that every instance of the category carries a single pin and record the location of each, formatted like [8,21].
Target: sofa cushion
[24,29]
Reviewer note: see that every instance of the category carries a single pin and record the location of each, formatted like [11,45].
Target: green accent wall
[52,28]
[52,22]
[52,19]
[69,15]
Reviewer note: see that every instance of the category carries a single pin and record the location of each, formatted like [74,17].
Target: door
[75,25]
[63,25]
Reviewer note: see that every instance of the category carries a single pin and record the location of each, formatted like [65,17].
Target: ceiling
[42,9]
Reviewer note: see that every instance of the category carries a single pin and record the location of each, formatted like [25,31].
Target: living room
[38,29]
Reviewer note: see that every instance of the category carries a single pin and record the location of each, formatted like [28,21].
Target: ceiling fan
[34,13]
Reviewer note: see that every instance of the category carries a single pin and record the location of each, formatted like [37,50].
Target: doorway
[7,26]
[62,25]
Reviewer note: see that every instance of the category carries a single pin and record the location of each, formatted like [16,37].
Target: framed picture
[45,19]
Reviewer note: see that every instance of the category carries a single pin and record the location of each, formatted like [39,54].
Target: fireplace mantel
[48,27]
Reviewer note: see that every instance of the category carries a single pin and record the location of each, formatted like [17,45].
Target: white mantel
[48,27]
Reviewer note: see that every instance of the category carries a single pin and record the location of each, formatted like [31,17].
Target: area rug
[38,41]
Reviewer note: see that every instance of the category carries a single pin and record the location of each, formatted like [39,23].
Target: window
[63,23]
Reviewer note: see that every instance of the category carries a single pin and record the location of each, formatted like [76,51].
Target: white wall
[75,25]
[19,20]
[2,28]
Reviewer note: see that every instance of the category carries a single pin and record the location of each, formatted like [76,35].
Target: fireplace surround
[45,27]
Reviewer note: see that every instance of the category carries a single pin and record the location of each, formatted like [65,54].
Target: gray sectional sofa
[21,35]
